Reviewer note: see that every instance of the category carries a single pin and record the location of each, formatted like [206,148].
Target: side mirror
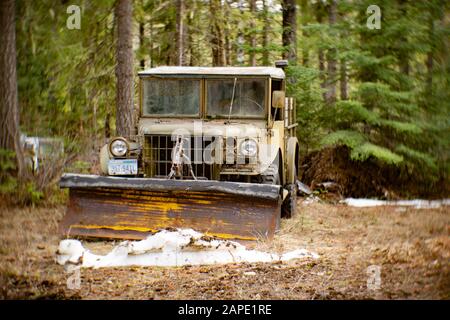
[278,99]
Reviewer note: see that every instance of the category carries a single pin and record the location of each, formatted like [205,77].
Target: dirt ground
[411,246]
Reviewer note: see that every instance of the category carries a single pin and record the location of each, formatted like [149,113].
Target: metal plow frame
[133,208]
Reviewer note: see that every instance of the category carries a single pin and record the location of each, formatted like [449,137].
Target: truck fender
[104,159]
[292,152]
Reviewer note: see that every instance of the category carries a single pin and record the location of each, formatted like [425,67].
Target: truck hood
[197,127]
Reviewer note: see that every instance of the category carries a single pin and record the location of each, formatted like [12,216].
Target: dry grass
[411,246]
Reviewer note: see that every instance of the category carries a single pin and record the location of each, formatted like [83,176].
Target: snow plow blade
[133,208]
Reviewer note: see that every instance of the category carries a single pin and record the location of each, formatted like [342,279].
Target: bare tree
[124,68]
[290,30]
[9,105]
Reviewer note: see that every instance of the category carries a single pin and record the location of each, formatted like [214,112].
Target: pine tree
[124,69]
[217,40]
[290,30]
[9,107]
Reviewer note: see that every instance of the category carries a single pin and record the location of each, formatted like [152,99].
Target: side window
[276,113]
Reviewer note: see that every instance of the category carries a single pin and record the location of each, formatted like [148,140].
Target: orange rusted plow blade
[133,208]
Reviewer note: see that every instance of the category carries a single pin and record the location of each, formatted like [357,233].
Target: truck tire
[289,206]
[271,175]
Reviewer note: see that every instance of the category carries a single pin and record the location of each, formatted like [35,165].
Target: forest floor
[411,246]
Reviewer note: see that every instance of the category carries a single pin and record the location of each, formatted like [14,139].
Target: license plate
[122,167]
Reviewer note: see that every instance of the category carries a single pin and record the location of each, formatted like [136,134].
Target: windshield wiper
[232,100]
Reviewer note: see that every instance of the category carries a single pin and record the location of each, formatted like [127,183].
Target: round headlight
[248,148]
[119,147]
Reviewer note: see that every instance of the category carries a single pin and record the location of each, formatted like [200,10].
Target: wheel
[272,176]
[289,206]
[272,173]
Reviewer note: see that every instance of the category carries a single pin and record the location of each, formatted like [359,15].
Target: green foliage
[392,114]
[303,86]
[351,139]
[364,151]
[19,191]
[417,156]
[79,166]
[396,111]
[8,182]
[402,127]
[350,112]
[65,77]
[32,195]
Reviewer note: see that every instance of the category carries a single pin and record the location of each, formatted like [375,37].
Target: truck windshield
[169,97]
[236,97]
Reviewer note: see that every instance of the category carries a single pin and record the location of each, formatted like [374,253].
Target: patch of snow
[311,199]
[417,203]
[169,248]
[303,188]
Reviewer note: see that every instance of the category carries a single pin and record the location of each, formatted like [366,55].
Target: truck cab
[216,123]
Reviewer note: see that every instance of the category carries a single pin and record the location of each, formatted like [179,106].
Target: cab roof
[200,72]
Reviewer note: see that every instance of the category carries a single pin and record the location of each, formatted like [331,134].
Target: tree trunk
[141,41]
[227,35]
[304,9]
[430,57]
[404,64]
[217,43]
[142,36]
[124,69]
[330,96]
[181,33]
[9,104]
[151,44]
[252,54]
[321,58]
[240,36]
[228,48]
[289,31]
[429,63]
[343,80]
[107,125]
[404,54]
[322,70]
[192,46]
[266,30]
